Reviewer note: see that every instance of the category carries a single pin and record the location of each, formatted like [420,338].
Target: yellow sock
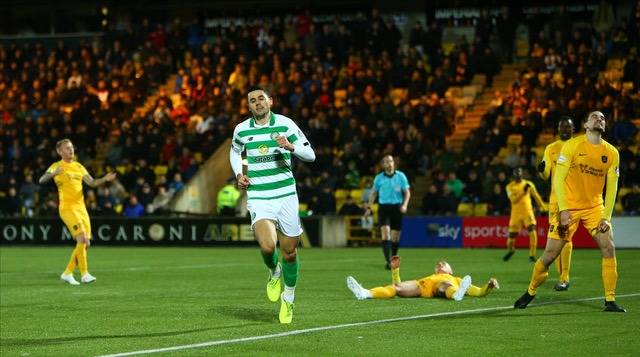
[81,254]
[383,292]
[609,278]
[533,243]
[478,291]
[395,276]
[450,291]
[511,244]
[558,264]
[73,262]
[538,276]
[565,263]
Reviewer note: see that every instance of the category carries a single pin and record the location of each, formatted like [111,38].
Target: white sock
[288,294]
[275,273]
[368,293]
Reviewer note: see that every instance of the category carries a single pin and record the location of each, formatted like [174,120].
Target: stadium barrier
[327,231]
[492,232]
[164,231]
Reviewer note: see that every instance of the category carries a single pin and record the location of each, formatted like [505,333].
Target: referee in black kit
[392,189]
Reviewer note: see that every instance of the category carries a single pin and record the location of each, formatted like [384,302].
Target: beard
[598,129]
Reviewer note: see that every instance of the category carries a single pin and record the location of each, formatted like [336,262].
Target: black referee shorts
[390,215]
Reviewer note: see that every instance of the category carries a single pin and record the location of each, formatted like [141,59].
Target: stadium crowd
[336,78]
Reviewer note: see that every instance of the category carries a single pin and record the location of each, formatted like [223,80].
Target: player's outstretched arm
[97,182]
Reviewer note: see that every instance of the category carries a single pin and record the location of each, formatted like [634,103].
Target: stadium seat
[160,170]
[623,191]
[514,139]
[398,95]
[539,150]
[339,95]
[341,194]
[545,139]
[121,169]
[480,209]
[465,209]
[356,195]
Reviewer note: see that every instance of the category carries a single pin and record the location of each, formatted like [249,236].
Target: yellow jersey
[520,194]
[550,158]
[69,182]
[581,171]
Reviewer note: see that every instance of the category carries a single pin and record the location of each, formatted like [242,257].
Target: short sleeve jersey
[391,188]
[588,166]
[69,182]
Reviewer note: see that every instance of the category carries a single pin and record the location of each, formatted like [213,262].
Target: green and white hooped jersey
[269,170]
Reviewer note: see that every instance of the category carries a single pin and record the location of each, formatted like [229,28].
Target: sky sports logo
[475,232]
[444,231]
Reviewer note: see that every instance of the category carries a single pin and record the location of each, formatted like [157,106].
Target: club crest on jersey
[263,149]
[604,159]
[274,135]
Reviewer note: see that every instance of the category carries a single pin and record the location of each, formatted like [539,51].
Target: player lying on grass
[441,284]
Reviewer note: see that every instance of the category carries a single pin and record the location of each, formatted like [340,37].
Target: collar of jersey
[272,121]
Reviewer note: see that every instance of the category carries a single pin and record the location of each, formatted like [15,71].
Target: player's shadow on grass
[246,313]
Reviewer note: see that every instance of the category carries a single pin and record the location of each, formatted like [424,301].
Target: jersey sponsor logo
[604,159]
[561,159]
[586,169]
[263,149]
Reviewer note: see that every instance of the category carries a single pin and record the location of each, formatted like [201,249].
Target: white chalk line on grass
[176,267]
[335,327]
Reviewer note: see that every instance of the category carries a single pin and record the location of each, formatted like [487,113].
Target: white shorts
[284,211]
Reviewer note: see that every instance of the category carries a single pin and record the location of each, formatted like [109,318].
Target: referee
[392,189]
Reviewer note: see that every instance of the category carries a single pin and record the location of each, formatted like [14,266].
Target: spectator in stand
[472,191]
[455,185]
[447,202]
[498,201]
[176,184]
[133,209]
[350,208]
[160,203]
[11,205]
[430,201]
[106,201]
[28,195]
[324,202]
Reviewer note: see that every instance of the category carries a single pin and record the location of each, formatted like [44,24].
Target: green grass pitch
[148,298]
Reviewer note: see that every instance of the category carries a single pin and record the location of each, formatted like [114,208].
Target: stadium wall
[492,232]
[329,231]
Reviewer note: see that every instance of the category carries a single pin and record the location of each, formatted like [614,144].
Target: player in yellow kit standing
[585,163]
[547,169]
[440,284]
[519,192]
[69,175]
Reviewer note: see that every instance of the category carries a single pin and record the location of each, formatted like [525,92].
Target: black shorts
[390,215]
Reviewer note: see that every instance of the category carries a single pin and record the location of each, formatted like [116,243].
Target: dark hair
[565,118]
[255,88]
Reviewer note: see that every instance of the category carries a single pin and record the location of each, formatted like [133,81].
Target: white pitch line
[175,267]
[335,327]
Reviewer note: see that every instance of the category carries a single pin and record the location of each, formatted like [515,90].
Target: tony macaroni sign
[124,231]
